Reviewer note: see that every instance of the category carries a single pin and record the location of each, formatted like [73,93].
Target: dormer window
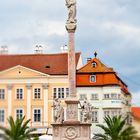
[93,78]
[94,64]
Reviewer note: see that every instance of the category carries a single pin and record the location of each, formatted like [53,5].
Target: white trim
[45,91]
[19,66]
[9,102]
[41,92]
[94,78]
[29,103]
[37,108]
[16,93]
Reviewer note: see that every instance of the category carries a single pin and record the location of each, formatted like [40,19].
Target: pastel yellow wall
[136,124]
[20,80]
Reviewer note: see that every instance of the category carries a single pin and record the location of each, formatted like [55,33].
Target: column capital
[10,86]
[28,86]
[45,85]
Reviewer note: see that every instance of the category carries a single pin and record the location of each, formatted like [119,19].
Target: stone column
[10,86]
[45,92]
[29,92]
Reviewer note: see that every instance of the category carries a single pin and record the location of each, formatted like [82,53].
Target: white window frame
[19,113]
[94,96]
[34,93]
[19,93]
[94,78]
[82,96]
[2,94]
[2,118]
[95,117]
[57,95]
[40,115]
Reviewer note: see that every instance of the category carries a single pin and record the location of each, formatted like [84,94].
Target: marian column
[71,128]
[72,102]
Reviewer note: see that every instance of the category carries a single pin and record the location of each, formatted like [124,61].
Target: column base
[71,131]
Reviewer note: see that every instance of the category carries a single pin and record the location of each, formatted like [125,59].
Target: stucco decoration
[71,133]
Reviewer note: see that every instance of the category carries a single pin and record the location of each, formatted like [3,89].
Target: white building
[102,87]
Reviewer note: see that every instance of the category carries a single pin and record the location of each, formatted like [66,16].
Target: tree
[116,129]
[18,130]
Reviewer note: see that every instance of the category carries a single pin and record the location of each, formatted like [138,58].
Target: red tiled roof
[53,64]
[99,68]
[136,112]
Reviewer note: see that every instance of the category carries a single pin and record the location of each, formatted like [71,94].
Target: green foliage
[18,130]
[116,129]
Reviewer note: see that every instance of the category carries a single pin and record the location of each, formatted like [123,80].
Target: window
[94,96]
[67,92]
[55,93]
[37,115]
[83,96]
[106,113]
[19,113]
[112,112]
[95,116]
[2,113]
[60,92]
[92,78]
[94,64]
[19,93]
[2,94]
[106,96]
[37,93]
[114,96]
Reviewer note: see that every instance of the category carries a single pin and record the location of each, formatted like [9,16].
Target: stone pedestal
[71,131]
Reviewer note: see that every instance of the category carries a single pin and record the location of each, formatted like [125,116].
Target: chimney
[38,49]
[64,49]
[89,59]
[4,50]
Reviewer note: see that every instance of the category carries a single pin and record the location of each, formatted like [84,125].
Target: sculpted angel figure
[71,5]
[58,111]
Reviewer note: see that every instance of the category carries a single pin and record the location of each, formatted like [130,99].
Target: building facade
[28,85]
[106,92]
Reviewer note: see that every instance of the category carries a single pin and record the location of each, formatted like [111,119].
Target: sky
[109,27]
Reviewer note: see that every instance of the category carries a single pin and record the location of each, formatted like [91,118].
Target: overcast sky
[111,27]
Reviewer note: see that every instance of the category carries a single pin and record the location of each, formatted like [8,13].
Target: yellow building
[28,84]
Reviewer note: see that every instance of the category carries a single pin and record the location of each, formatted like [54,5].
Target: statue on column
[86,111]
[71,5]
[58,111]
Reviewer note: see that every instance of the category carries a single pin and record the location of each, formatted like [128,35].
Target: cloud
[136,98]
[111,27]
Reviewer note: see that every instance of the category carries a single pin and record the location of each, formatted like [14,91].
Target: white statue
[58,111]
[71,5]
[86,111]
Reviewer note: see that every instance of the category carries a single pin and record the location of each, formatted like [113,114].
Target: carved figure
[86,110]
[71,5]
[58,111]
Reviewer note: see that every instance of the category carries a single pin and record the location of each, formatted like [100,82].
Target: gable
[21,72]
[94,65]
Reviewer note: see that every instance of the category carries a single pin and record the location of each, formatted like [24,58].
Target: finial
[95,54]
